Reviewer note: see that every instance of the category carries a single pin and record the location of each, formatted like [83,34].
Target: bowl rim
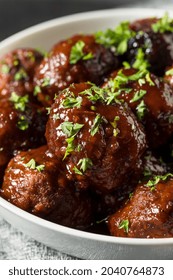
[50,225]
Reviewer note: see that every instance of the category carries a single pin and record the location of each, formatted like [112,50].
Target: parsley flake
[46,82]
[77,171]
[23,123]
[125,225]
[96,124]
[156,179]
[5,69]
[21,74]
[20,102]
[140,63]
[77,53]
[37,90]
[169,72]
[141,110]
[71,129]
[71,102]
[164,24]
[118,37]
[32,165]
[85,163]
[138,95]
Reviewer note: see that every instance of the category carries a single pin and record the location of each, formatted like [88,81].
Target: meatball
[35,182]
[100,141]
[148,213]
[75,60]
[22,126]
[157,46]
[150,99]
[16,72]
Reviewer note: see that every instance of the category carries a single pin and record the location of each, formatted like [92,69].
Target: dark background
[16,15]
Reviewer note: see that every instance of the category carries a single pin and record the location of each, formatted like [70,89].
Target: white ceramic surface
[81,244]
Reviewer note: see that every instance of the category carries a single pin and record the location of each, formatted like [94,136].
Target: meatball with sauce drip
[35,182]
[148,213]
[22,126]
[17,69]
[78,59]
[99,140]
[149,98]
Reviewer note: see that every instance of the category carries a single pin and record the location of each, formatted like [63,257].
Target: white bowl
[77,243]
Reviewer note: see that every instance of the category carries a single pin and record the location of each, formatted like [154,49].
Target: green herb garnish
[140,63]
[77,171]
[96,124]
[23,123]
[5,69]
[20,102]
[77,53]
[37,90]
[169,72]
[125,225]
[140,110]
[71,129]
[156,179]
[71,102]
[164,24]
[118,37]
[138,95]
[21,74]
[85,163]
[46,82]
[32,165]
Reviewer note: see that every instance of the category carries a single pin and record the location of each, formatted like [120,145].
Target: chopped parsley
[94,93]
[77,171]
[46,82]
[96,124]
[117,38]
[21,74]
[77,53]
[20,102]
[71,102]
[32,165]
[138,95]
[140,63]
[70,147]
[71,129]
[164,24]
[5,69]
[85,163]
[156,179]
[141,110]
[23,123]
[125,225]
[37,90]
[149,80]
[114,125]
[169,72]
[56,117]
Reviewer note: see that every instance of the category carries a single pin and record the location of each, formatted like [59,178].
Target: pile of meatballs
[86,130]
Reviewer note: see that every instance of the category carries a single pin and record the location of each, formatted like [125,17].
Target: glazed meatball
[156,44]
[16,72]
[22,126]
[100,141]
[35,182]
[75,60]
[150,99]
[148,213]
